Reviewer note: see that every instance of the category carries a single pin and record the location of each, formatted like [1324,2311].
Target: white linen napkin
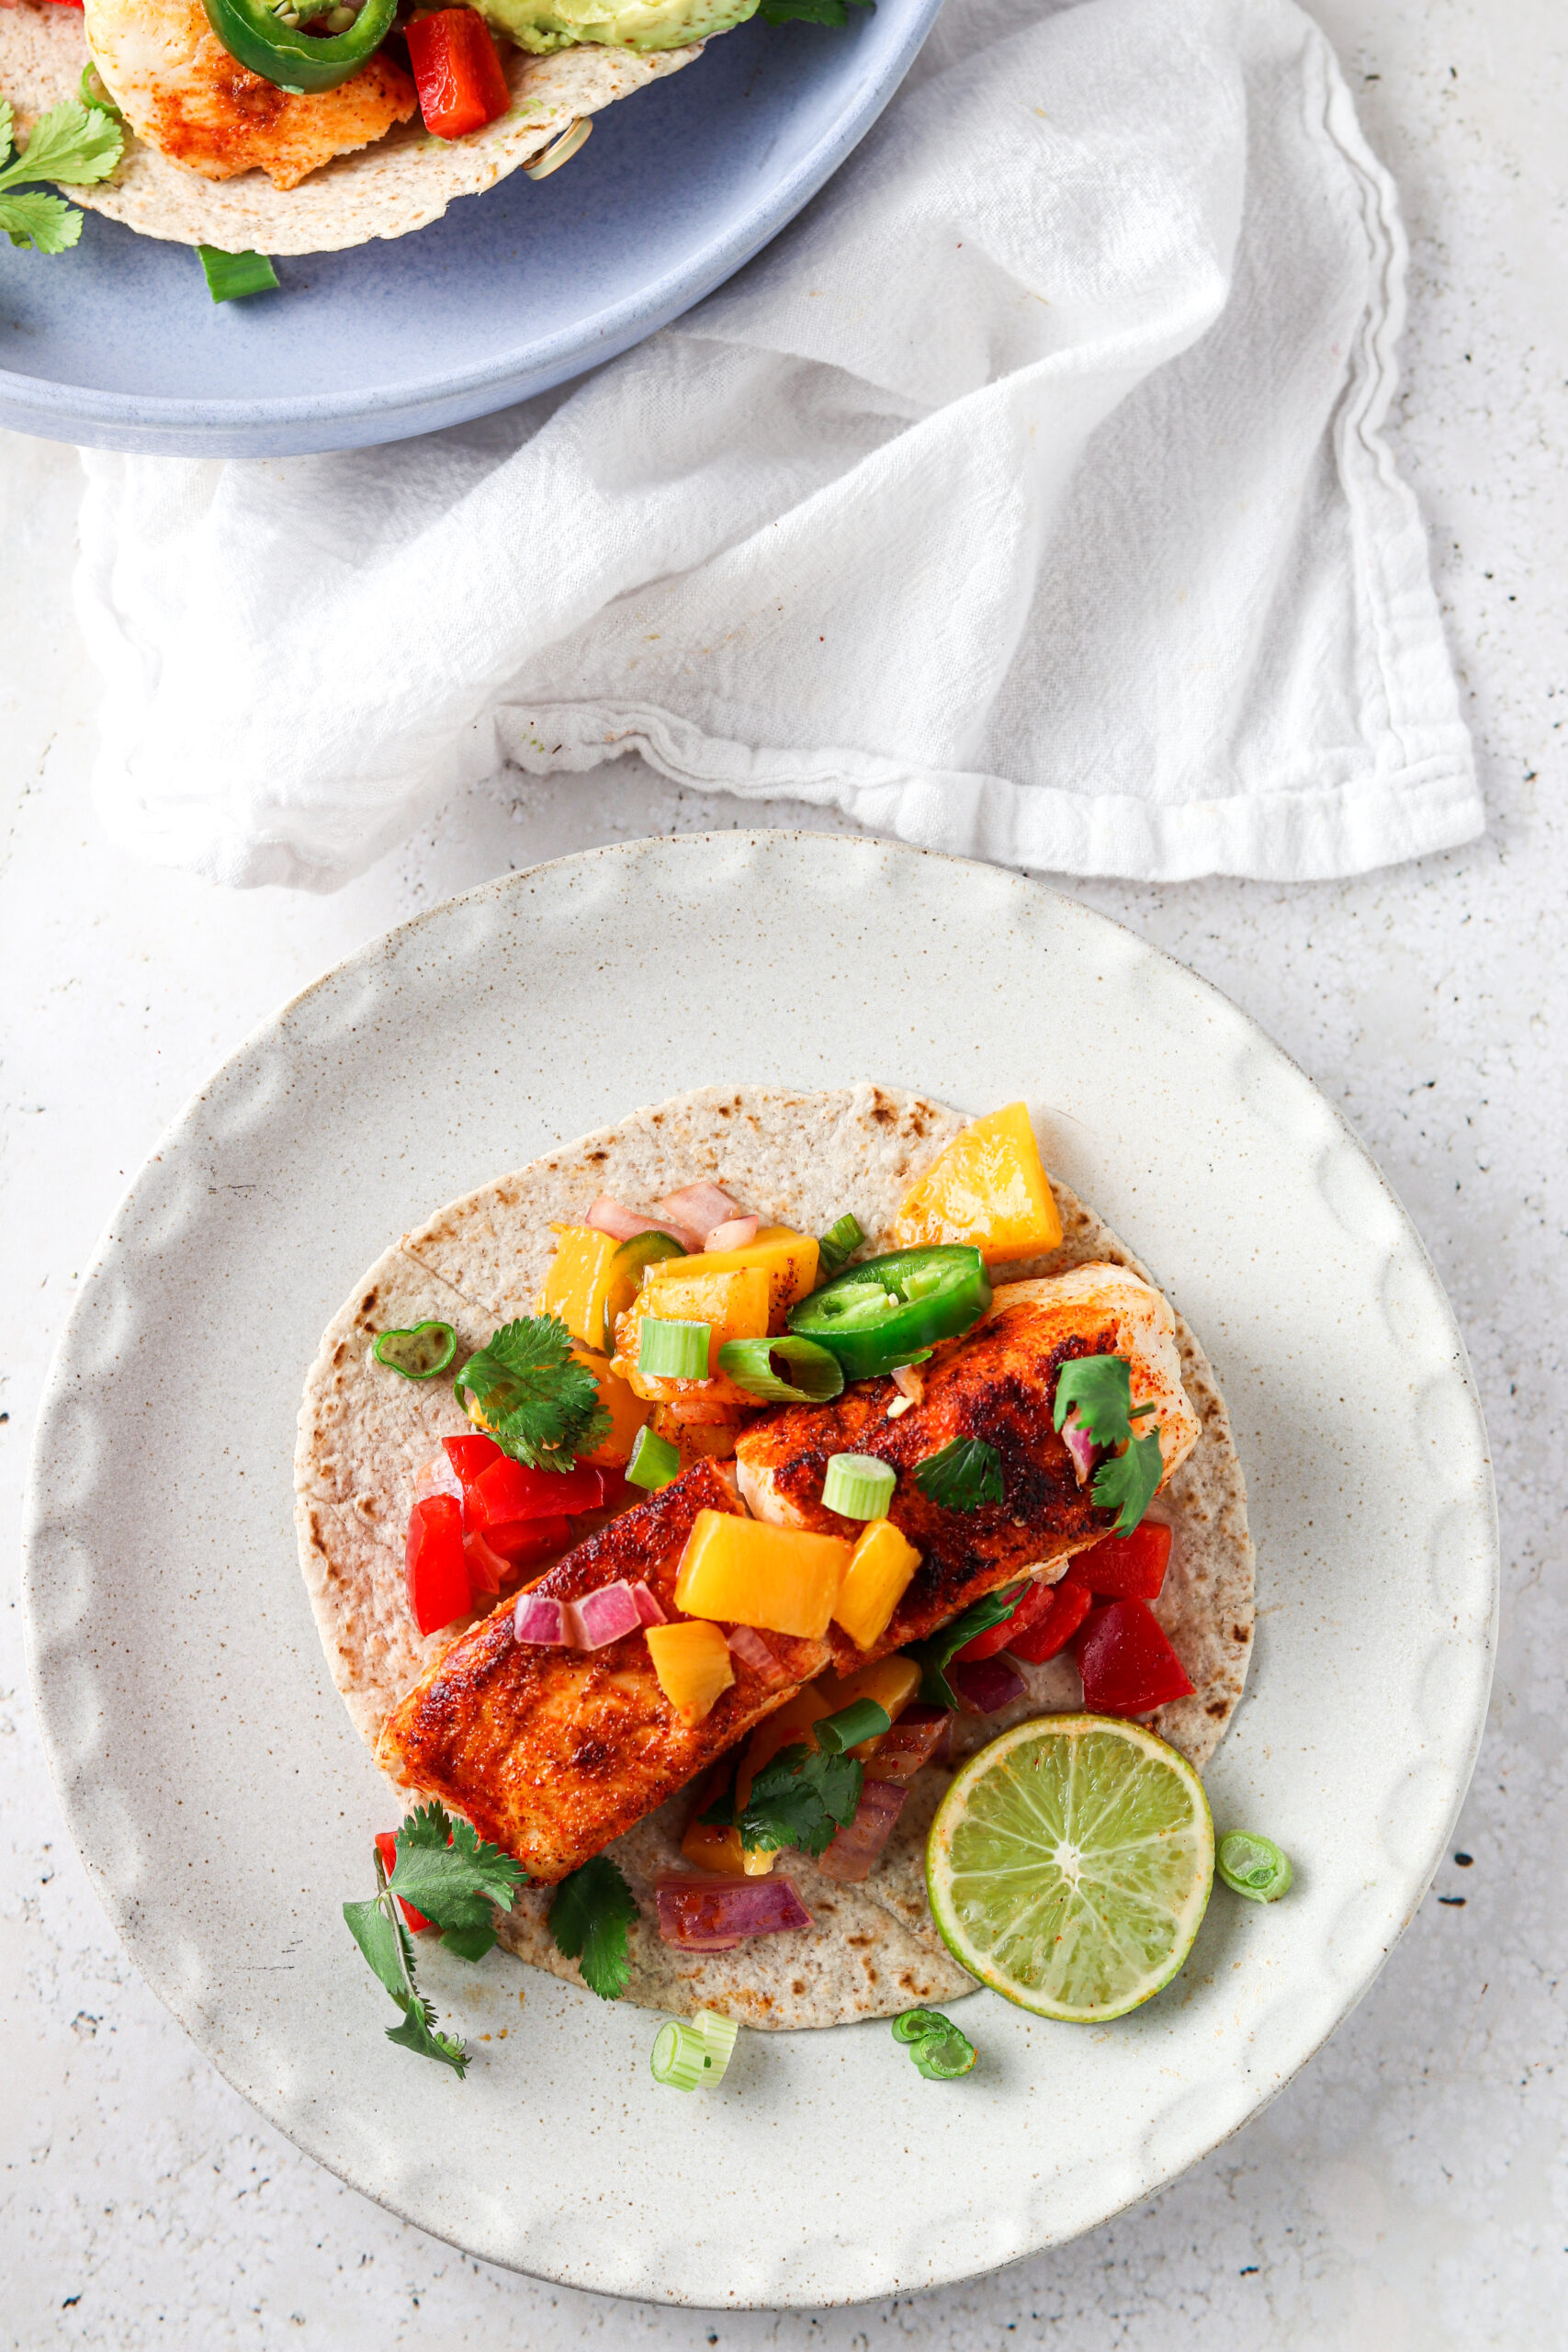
[1026,498]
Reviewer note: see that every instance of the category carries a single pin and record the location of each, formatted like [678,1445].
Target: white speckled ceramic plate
[223,1803]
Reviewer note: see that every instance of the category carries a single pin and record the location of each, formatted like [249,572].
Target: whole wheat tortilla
[404,181]
[798,1159]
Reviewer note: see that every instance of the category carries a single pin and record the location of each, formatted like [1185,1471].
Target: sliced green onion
[680,2055]
[672,1350]
[943,2057]
[837,1244]
[419,1353]
[819,1375]
[862,1719]
[1254,1866]
[93,91]
[654,1461]
[858,1486]
[720,2036]
[230,276]
[914,2024]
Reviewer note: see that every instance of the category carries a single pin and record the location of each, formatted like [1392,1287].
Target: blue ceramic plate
[118,345]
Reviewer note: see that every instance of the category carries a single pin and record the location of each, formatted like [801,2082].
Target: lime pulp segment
[1070,1864]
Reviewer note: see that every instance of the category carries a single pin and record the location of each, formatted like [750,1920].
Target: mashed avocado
[543,25]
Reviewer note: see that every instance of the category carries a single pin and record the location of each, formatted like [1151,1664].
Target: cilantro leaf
[45,224]
[589,1912]
[74,143]
[1101,1388]
[800,1798]
[965,1475]
[934,1656]
[808,12]
[387,1945]
[539,1404]
[448,1872]
[1129,1481]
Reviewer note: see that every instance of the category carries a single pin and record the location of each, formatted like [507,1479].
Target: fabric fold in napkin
[1026,498]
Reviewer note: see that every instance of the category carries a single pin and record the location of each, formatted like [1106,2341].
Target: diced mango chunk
[732,1302]
[693,1665]
[713,1848]
[876,1582]
[628,1412]
[989,1188]
[745,1572]
[788,1260]
[578,1280]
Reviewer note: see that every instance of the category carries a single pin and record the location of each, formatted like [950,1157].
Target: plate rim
[46,407]
[379,948]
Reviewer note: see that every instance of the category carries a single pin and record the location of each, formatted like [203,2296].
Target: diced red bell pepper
[1126,1567]
[525,1541]
[436,1571]
[387,1847]
[1068,1605]
[457,72]
[1032,1604]
[508,1491]
[1128,1667]
[470,1455]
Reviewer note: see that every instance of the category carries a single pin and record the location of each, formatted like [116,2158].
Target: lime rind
[1070,1864]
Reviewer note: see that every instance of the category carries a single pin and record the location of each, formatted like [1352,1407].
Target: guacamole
[544,25]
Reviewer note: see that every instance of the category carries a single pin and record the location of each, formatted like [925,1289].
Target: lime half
[1069,1865]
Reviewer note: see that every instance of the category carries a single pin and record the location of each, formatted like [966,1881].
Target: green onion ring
[654,1461]
[672,1350]
[1254,1866]
[858,1486]
[862,1719]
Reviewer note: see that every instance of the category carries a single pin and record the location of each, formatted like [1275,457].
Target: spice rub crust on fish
[183,94]
[998,1383]
[551,1753]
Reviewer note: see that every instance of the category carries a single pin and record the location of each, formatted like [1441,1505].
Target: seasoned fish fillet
[182,92]
[998,1383]
[550,1753]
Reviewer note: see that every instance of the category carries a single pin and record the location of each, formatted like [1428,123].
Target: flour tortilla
[404,181]
[798,1159]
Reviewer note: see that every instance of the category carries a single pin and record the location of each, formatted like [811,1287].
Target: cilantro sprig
[1098,1390]
[589,1915]
[538,1402]
[448,1872]
[965,1475]
[74,143]
[934,1656]
[801,1797]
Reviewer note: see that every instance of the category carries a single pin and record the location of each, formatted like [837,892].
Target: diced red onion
[750,1647]
[986,1684]
[647,1608]
[438,1476]
[487,1571]
[700,1207]
[604,1616]
[906,1379]
[850,1857]
[916,1736]
[607,1216]
[702,1914]
[736,1233]
[1080,1445]
[537,1619]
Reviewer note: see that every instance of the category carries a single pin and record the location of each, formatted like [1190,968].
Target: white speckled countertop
[1408,2189]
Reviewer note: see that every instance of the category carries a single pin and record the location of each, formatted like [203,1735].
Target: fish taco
[682,1510]
[298,126]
